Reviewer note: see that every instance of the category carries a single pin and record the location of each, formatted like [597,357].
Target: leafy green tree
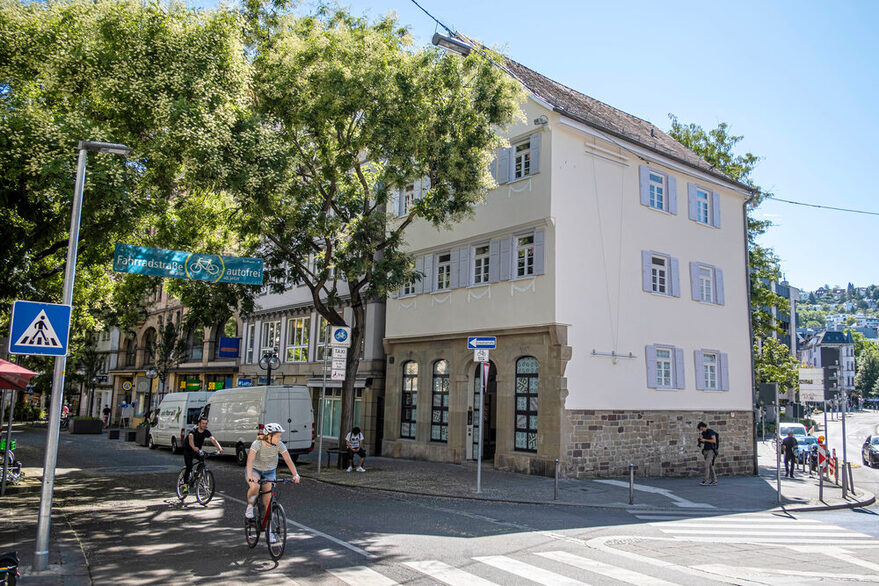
[88,364]
[346,112]
[169,351]
[773,363]
[165,80]
[809,318]
[867,372]
[717,147]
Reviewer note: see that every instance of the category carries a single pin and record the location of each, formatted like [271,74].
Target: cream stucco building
[610,263]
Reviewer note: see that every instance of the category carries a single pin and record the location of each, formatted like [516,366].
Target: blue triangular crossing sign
[39,328]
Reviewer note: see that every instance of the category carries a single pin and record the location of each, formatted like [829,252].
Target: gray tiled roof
[580,107]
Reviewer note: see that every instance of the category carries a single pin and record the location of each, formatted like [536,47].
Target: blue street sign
[39,328]
[476,342]
[177,264]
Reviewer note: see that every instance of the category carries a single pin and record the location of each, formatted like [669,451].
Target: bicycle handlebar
[278,481]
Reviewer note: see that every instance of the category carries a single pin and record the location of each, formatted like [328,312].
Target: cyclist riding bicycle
[262,464]
[192,446]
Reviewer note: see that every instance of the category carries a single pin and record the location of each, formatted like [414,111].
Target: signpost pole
[484,376]
[8,442]
[323,390]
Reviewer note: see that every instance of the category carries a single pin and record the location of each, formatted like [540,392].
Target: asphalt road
[115,502]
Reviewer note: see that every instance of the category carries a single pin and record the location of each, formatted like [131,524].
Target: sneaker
[185,489]
[349,469]
[704,483]
[712,483]
[248,512]
[361,469]
[272,538]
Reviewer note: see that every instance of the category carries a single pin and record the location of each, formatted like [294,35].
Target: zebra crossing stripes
[448,574]
[527,571]
[361,576]
[607,570]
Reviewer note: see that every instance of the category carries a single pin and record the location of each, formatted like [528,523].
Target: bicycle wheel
[181,484]
[204,491]
[251,530]
[278,526]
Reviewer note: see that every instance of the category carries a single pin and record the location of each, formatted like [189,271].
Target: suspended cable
[823,207]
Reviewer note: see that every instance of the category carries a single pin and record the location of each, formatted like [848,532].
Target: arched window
[196,344]
[526,405]
[410,400]
[439,409]
[149,347]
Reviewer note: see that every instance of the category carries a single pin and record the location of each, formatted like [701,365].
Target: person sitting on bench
[354,441]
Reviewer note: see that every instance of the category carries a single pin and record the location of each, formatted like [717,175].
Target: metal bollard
[844,485]
[821,485]
[836,470]
[631,484]
[556,497]
[851,480]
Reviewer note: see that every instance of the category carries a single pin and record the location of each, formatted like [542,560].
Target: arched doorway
[488,415]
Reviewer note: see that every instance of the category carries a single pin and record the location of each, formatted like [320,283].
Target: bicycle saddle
[9,558]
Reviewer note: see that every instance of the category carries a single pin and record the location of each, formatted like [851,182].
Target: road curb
[865,502]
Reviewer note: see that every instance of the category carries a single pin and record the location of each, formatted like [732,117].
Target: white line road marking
[679,501]
[841,555]
[335,540]
[527,571]
[768,532]
[361,576]
[621,574]
[448,574]
[776,573]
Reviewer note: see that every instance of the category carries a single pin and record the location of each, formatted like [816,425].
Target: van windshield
[192,415]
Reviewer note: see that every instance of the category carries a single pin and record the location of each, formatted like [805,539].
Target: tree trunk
[351,365]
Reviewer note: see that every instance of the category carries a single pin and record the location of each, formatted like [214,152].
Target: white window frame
[704,206]
[481,264]
[660,274]
[658,190]
[522,159]
[251,342]
[711,283]
[271,334]
[524,256]
[296,342]
[408,289]
[408,198]
[443,279]
[709,370]
[661,370]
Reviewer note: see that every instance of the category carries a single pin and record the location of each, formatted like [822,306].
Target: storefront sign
[229,347]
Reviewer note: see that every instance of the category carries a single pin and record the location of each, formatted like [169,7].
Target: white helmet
[273,428]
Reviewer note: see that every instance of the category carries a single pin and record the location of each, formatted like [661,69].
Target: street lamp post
[94,383]
[150,374]
[268,362]
[44,518]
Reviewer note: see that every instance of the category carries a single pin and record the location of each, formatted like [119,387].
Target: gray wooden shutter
[395,205]
[675,278]
[512,164]
[724,371]
[492,168]
[494,261]
[691,201]
[395,293]
[715,205]
[419,268]
[464,267]
[650,354]
[539,250]
[645,185]
[453,269]
[535,153]
[680,381]
[672,195]
[646,272]
[401,202]
[503,166]
[699,362]
[430,283]
[719,297]
[506,258]
[694,281]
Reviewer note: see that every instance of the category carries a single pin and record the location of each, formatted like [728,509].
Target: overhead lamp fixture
[104,147]
[450,44]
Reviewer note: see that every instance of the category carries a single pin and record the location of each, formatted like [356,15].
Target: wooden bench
[342,456]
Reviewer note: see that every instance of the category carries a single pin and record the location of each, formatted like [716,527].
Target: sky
[798,80]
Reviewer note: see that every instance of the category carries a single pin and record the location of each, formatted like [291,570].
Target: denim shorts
[266,474]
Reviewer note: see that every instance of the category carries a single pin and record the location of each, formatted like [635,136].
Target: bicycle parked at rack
[272,520]
[9,568]
[14,475]
[201,482]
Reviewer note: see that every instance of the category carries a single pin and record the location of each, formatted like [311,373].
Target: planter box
[130,435]
[113,434]
[86,426]
[142,436]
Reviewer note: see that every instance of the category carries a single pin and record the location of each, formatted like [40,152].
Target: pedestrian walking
[708,442]
[789,445]
[106,416]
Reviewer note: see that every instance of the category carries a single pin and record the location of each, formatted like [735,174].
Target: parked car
[237,415]
[870,451]
[798,428]
[178,413]
[804,446]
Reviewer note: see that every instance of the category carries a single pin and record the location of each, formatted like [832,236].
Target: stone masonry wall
[658,443]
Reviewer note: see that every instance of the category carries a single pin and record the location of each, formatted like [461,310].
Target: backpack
[716,441]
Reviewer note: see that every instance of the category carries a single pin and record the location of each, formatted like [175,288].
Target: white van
[798,428]
[178,413]
[235,416]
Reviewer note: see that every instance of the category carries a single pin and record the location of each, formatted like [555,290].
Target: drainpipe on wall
[750,325]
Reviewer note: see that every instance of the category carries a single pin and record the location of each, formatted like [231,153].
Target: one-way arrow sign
[476,342]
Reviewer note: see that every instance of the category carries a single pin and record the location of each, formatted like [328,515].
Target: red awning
[13,376]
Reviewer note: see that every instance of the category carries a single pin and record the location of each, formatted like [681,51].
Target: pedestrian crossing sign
[39,328]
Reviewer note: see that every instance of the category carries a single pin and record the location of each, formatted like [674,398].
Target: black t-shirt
[106,410]
[790,445]
[198,438]
[709,434]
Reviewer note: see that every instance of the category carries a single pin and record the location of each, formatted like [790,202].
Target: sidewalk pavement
[732,493]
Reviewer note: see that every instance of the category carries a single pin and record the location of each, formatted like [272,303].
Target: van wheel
[240,455]
[150,443]
[174,449]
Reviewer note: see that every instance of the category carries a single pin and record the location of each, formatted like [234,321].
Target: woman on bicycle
[262,464]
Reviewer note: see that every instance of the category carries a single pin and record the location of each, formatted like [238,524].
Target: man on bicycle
[193,444]
[262,464]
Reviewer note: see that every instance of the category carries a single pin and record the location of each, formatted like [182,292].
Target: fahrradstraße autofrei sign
[195,266]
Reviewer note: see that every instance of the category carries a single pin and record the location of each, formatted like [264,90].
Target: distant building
[786,317]
[835,353]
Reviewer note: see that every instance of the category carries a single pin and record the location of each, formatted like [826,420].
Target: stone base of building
[658,443]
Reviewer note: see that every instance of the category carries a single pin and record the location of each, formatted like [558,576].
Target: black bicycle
[9,568]
[201,482]
[272,520]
